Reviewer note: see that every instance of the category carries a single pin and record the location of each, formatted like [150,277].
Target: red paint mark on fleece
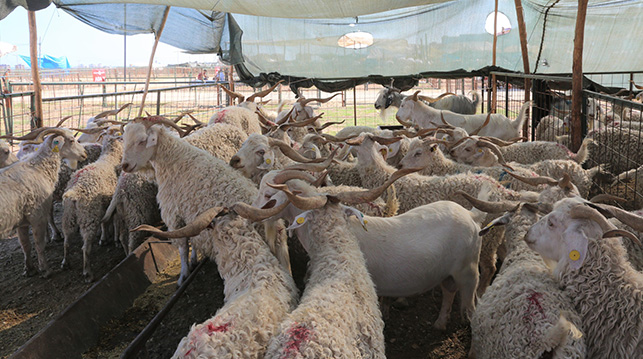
[298,335]
[534,306]
[189,351]
[220,116]
[218,328]
[569,153]
[79,172]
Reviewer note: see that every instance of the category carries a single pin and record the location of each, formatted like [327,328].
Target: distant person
[200,75]
[220,76]
[205,75]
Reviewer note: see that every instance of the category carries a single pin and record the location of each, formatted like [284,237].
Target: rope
[542,39]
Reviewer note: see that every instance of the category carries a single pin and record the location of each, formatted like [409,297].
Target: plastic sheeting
[49,62]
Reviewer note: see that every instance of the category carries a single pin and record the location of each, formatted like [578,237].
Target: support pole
[494,84]
[157,37]
[577,75]
[35,73]
[125,43]
[355,105]
[522,30]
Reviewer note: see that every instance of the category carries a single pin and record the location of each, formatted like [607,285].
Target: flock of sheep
[380,213]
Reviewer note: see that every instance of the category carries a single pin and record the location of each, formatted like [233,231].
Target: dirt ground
[27,304]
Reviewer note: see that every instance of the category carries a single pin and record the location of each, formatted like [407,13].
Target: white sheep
[593,269]
[406,254]
[550,126]
[6,156]
[240,117]
[27,188]
[611,144]
[86,199]
[468,151]
[413,112]
[524,313]
[221,140]
[208,181]
[338,315]
[258,290]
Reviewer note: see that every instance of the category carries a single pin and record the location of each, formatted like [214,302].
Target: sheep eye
[550,223]
[141,143]
[261,152]
[417,154]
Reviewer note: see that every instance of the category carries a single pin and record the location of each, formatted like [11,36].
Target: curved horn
[63,121]
[459,142]
[195,120]
[488,206]
[286,117]
[406,133]
[255,214]
[264,121]
[100,123]
[305,203]
[29,136]
[303,123]
[622,233]
[635,85]
[305,101]
[328,124]
[195,227]
[153,120]
[535,181]
[290,152]
[111,112]
[432,100]
[414,97]
[313,167]
[332,138]
[286,175]
[565,182]
[90,131]
[429,141]
[630,219]
[385,140]
[41,136]
[604,198]
[404,123]
[263,93]
[486,122]
[446,124]
[494,149]
[355,197]
[232,93]
[496,141]
[581,211]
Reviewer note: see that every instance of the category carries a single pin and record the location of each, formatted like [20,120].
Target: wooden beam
[157,37]
[522,30]
[35,73]
[577,75]
[494,84]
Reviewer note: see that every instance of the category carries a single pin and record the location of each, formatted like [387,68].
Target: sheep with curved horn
[391,97]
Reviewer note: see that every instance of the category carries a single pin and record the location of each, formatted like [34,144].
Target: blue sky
[62,35]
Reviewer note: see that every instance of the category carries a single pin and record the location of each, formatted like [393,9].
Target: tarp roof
[410,37]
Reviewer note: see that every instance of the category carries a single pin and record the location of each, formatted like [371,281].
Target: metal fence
[615,124]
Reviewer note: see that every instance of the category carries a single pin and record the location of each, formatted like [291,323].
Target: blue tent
[49,62]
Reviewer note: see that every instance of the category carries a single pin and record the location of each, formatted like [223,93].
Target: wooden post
[495,43]
[35,73]
[577,75]
[525,55]
[355,105]
[157,37]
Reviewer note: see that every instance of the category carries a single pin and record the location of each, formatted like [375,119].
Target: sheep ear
[57,143]
[309,112]
[350,211]
[152,138]
[268,160]
[393,149]
[576,249]
[300,220]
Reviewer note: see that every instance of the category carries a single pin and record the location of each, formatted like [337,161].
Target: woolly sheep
[413,112]
[392,97]
[207,180]
[258,291]
[6,156]
[237,116]
[605,289]
[405,254]
[86,199]
[619,141]
[551,126]
[221,140]
[524,313]
[27,188]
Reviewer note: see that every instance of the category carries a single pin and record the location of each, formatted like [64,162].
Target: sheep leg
[448,294]
[184,250]
[88,235]
[39,230]
[23,237]
[467,282]
[385,306]
[56,236]
[104,234]
[193,259]
[69,229]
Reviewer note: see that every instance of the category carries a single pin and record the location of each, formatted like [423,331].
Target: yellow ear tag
[301,220]
[574,255]
[268,161]
[479,150]
[118,134]
[55,149]
[36,148]
[390,149]
[365,221]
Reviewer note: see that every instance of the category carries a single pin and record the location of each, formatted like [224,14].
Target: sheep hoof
[89,277]
[440,326]
[30,271]
[64,264]
[181,280]
[400,303]
[46,274]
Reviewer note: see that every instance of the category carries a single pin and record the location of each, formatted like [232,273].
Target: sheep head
[64,142]
[139,146]
[423,153]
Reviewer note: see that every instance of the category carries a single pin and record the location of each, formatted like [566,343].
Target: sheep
[221,140]
[413,112]
[237,116]
[134,203]
[86,199]
[27,188]
[6,156]
[619,141]
[593,268]
[209,181]
[524,313]
[427,155]
[392,97]
[549,127]
[635,175]
[467,152]
[553,168]
[338,315]
[258,290]
[93,126]
[405,254]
